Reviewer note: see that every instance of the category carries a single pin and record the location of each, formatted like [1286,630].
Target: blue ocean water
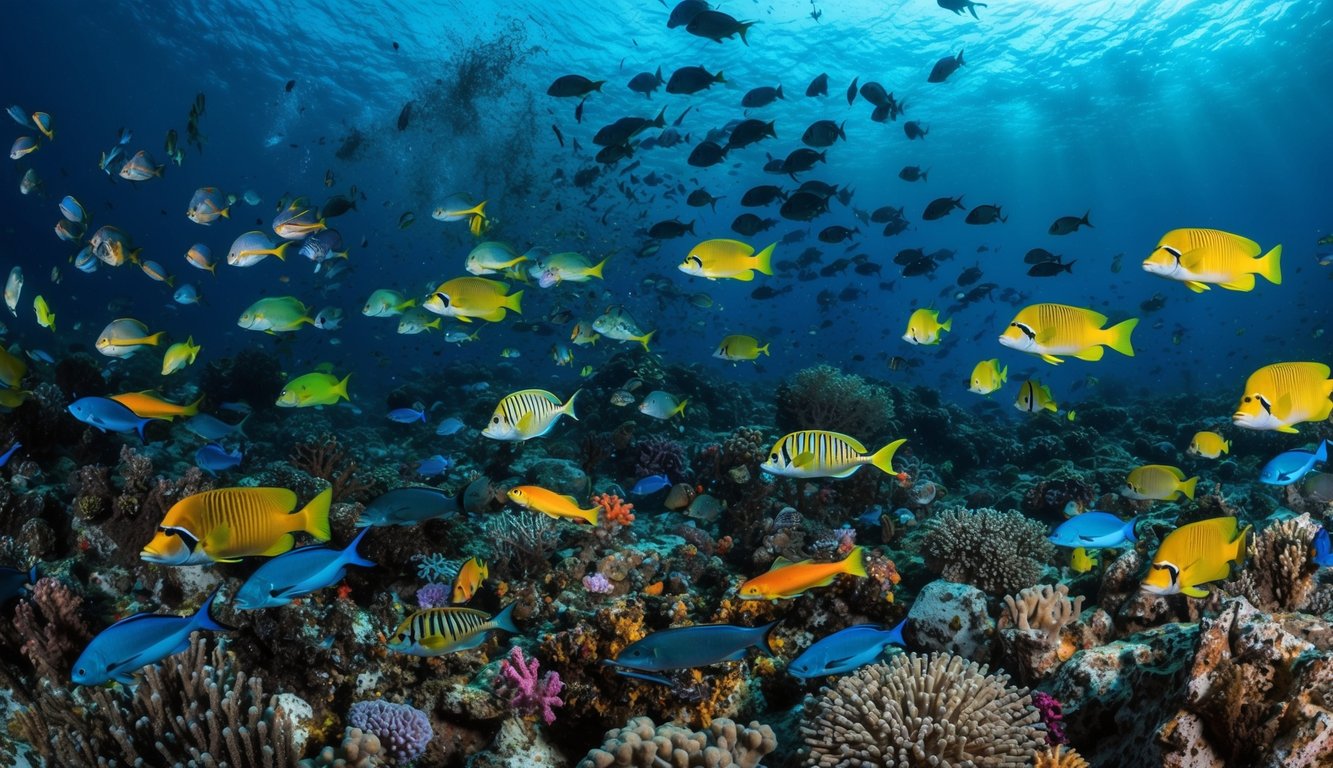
[1149,115]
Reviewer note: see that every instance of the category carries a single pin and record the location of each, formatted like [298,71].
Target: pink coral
[597,584]
[1052,714]
[529,696]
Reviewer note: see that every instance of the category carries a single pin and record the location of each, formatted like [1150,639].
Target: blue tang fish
[1323,553]
[213,458]
[213,429]
[1290,466]
[846,650]
[689,647]
[299,572]
[1094,530]
[407,416]
[142,639]
[408,506]
[4,458]
[435,465]
[13,581]
[107,415]
[449,426]
[649,485]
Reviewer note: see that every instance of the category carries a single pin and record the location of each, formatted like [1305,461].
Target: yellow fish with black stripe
[437,631]
[1280,395]
[224,525]
[1157,482]
[528,413]
[1201,258]
[1196,554]
[820,453]
[1209,445]
[548,502]
[474,297]
[1051,330]
[727,258]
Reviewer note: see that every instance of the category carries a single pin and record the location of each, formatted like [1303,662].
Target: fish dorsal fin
[780,562]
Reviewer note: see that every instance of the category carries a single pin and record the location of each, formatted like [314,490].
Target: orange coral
[614,509]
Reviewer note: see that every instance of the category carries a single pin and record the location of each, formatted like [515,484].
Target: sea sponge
[998,552]
[723,743]
[823,397]
[1278,574]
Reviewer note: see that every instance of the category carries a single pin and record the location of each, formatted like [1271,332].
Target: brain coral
[997,552]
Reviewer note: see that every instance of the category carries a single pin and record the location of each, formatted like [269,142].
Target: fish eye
[1247,399]
[495,420]
[773,457]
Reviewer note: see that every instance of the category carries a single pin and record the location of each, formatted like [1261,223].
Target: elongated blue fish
[297,573]
[107,415]
[408,506]
[1285,468]
[1094,530]
[846,650]
[142,639]
[689,647]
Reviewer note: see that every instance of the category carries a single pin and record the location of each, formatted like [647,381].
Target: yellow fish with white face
[988,377]
[1196,554]
[727,258]
[1034,396]
[1051,330]
[738,347]
[924,327]
[226,524]
[1280,395]
[1203,257]
[1157,482]
[1209,445]
[526,414]
[467,298]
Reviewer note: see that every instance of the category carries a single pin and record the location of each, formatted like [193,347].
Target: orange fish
[469,579]
[149,406]
[786,579]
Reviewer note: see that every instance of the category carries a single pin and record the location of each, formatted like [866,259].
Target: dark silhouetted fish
[685,11]
[1067,224]
[945,67]
[718,26]
[1039,255]
[707,153]
[761,97]
[1050,268]
[671,228]
[851,91]
[875,94]
[818,86]
[985,214]
[919,267]
[626,128]
[801,160]
[886,214]
[764,194]
[914,130]
[749,132]
[958,6]
[573,86]
[822,133]
[750,225]
[836,233]
[687,80]
[803,206]
[941,207]
[646,82]
[700,197]
[912,173]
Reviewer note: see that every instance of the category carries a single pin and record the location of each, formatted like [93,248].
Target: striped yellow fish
[1051,330]
[820,453]
[225,525]
[1196,554]
[1279,395]
[437,631]
[528,413]
[1157,482]
[1200,257]
[1034,396]
[548,502]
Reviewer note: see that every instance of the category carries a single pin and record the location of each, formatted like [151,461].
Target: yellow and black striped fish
[528,413]
[819,453]
[224,525]
[437,631]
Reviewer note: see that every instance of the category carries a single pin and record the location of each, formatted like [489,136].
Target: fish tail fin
[134,256]
[479,209]
[1004,374]
[924,174]
[514,301]
[590,515]
[742,29]
[596,271]
[1270,265]
[139,428]
[718,78]
[192,408]
[240,426]
[339,391]
[568,407]
[1130,536]
[883,458]
[154,339]
[1240,548]
[1226,446]
[681,410]
[960,58]
[1084,221]
[855,564]
[644,339]
[352,557]
[505,619]
[316,515]
[281,251]
[780,96]
[947,325]
[435,324]
[765,644]
[763,350]
[225,212]
[1187,487]
[1117,336]
[204,619]
[660,120]
[763,261]
[1070,266]
[1321,453]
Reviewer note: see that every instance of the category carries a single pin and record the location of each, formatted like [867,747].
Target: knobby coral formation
[998,552]
[640,744]
[403,731]
[1031,627]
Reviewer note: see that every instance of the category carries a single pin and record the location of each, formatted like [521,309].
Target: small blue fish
[298,572]
[449,426]
[240,406]
[846,650]
[213,429]
[1094,530]
[213,458]
[649,485]
[144,638]
[435,465]
[1290,466]
[13,582]
[4,458]
[408,506]
[407,416]
[107,415]
[689,647]
[872,516]
[1323,553]
[73,210]
[187,294]
[40,356]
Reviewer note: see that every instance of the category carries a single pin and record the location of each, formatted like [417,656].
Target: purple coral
[403,730]
[529,696]
[597,584]
[433,596]
[1052,713]
[659,455]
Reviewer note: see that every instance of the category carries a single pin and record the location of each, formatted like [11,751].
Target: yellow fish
[1050,330]
[1196,554]
[179,355]
[988,377]
[1081,561]
[146,405]
[13,398]
[526,414]
[474,297]
[469,579]
[12,368]
[457,208]
[1279,395]
[45,317]
[225,525]
[819,453]
[786,579]
[276,314]
[491,257]
[1199,257]
[1157,482]
[1034,396]
[727,258]
[550,503]
[1209,445]
[738,347]
[568,267]
[312,389]
[924,327]
[437,631]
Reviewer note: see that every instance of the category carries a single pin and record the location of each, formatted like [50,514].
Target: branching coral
[1279,575]
[1059,757]
[937,710]
[52,628]
[614,510]
[657,455]
[520,541]
[825,398]
[528,694]
[998,552]
[641,744]
[326,459]
[1031,629]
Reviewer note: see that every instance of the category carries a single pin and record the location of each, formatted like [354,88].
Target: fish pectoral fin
[433,642]
[803,460]
[737,656]
[1052,359]
[1193,591]
[1196,286]
[218,538]
[1241,283]
[1091,354]
[524,423]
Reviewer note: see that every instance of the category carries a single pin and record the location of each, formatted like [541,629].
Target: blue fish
[213,458]
[1094,530]
[4,458]
[650,484]
[107,415]
[449,426]
[408,506]
[846,650]
[213,429]
[435,465]
[40,355]
[142,639]
[689,647]
[407,415]
[1323,553]
[13,582]
[1289,467]
[297,573]
[873,515]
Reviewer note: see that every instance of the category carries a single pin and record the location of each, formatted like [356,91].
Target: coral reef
[1279,575]
[527,694]
[823,397]
[1031,630]
[998,552]
[641,744]
[401,729]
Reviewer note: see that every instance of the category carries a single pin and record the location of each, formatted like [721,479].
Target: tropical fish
[125,336]
[846,650]
[4,459]
[208,205]
[417,320]
[276,314]
[386,303]
[1157,482]
[213,458]
[786,580]
[820,453]
[492,257]
[298,573]
[408,506]
[924,327]
[567,267]
[437,631]
[1069,224]
[988,376]
[45,317]
[13,582]
[213,428]
[662,405]
[107,415]
[200,257]
[329,319]
[113,246]
[1081,561]
[13,290]
[583,334]
[138,641]
[552,504]
[298,220]
[649,485]
[227,524]
[150,406]
[945,67]
[1203,257]
[449,426]
[474,297]
[187,294]
[689,647]
[727,258]
[253,247]
[1195,554]
[141,167]
[469,579]
[738,347]
[314,389]
[617,323]
[1049,330]
[1280,395]
[12,369]
[526,414]
[407,415]
[179,355]
[1034,396]
[459,207]
[1323,551]
[1291,466]
[73,210]
[1094,530]
[23,145]
[1209,445]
